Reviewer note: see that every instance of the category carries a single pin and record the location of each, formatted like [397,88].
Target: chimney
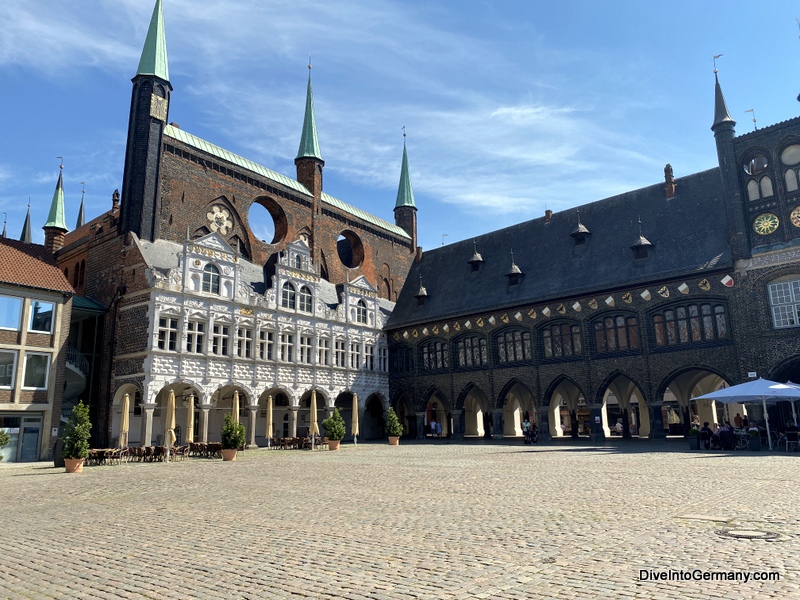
[548,214]
[669,182]
[418,256]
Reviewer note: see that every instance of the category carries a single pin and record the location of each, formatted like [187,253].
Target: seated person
[737,421]
[706,435]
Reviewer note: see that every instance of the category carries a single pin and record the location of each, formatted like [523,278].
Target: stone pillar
[420,426]
[656,423]
[596,423]
[253,415]
[147,435]
[293,421]
[497,426]
[457,431]
[544,424]
[204,408]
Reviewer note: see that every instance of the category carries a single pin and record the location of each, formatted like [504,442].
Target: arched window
[690,324]
[211,279]
[759,183]
[298,261]
[75,275]
[790,157]
[305,299]
[433,356]
[562,340]
[471,351]
[361,312]
[402,359]
[513,346]
[288,299]
[83,273]
[616,333]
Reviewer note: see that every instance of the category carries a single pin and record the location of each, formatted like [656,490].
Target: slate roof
[688,233]
[32,266]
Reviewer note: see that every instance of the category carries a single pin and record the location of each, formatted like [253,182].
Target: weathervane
[750,110]
[61,166]
[444,235]
[716,56]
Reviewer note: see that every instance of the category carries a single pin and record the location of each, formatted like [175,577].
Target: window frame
[196,336]
[686,324]
[31,314]
[220,334]
[13,369]
[244,342]
[19,312]
[288,296]
[211,279]
[464,354]
[562,340]
[433,356]
[48,359]
[793,286]
[167,339]
[361,312]
[501,352]
[305,299]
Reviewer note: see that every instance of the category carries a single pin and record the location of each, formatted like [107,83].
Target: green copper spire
[405,195]
[309,145]
[26,227]
[56,216]
[154,53]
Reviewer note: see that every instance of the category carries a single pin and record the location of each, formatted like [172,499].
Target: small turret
[405,208]
[56,227]
[26,227]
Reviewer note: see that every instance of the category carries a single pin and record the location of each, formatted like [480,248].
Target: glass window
[305,349]
[219,340]
[305,299]
[167,333]
[37,367]
[41,317]
[195,336]
[621,334]
[288,296]
[298,261]
[383,359]
[340,354]
[471,351]
[434,356]
[211,279]
[286,347]
[244,342]
[402,359]
[784,299]
[361,312]
[266,342]
[9,312]
[8,366]
[513,346]
[690,324]
[323,351]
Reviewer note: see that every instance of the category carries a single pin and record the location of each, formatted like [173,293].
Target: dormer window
[288,296]
[422,294]
[211,279]
[477,260]
[580,234]
[641,245]
[514,274]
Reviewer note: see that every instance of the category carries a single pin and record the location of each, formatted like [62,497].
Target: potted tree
[393,427]
[5,438]
[76,439]
[233,436]
[334,429]
[754,441]
[694,439]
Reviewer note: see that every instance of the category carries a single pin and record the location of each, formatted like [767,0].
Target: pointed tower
[81,213]
[149,110]
[405,209]
[309,161]
[5,217]
[26,227]
[56,227]
[724,132]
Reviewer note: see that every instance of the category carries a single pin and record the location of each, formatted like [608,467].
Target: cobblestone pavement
[428,520]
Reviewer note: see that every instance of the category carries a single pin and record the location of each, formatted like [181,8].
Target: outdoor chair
[792,440]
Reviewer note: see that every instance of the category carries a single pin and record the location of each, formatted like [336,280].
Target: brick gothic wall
[651,368]
[189,189]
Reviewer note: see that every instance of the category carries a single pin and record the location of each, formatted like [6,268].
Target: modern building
[179,295]
[36,363]
[610,317]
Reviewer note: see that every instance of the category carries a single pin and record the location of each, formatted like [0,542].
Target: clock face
[766,223]
[794,217]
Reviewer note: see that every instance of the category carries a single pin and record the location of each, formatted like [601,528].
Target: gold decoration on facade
[627,298]
[704,285]
[504,318]
[396,337]
[415,334]
[248,312]
[197,262]
[532,313]
[436,329]
[561,309]
[663,291]
[457,326]
[593,304]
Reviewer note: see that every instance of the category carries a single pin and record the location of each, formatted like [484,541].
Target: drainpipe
[112,343]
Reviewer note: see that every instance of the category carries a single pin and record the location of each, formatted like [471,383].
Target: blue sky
[510,107]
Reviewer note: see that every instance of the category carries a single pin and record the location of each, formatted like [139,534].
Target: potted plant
[5,438]
[754,441]
[233,436]
[393,427]
[76,439]
[334,429]
[694,439]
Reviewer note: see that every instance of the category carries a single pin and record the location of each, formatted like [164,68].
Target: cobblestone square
[427,520]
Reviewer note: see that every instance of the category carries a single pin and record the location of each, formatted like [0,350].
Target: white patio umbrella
[190,420]
[269,419]
[354,419]
[759,390]
[124,421]
[235,408]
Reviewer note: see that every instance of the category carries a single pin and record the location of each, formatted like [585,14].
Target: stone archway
[676,411]
[373,423]
[437,408]
[475,406]
[282,415]
[222,404]
[324,410]
[566,393]
[407,416]
[624,411]
[516,401]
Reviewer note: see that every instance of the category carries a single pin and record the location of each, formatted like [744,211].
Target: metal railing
[77,360]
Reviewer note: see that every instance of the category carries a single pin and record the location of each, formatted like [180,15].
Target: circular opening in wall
[267,220]
[350,248]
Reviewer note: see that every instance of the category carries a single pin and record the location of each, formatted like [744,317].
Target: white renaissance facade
[223,331]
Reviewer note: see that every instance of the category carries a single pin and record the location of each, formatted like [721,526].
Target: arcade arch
[516,401]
